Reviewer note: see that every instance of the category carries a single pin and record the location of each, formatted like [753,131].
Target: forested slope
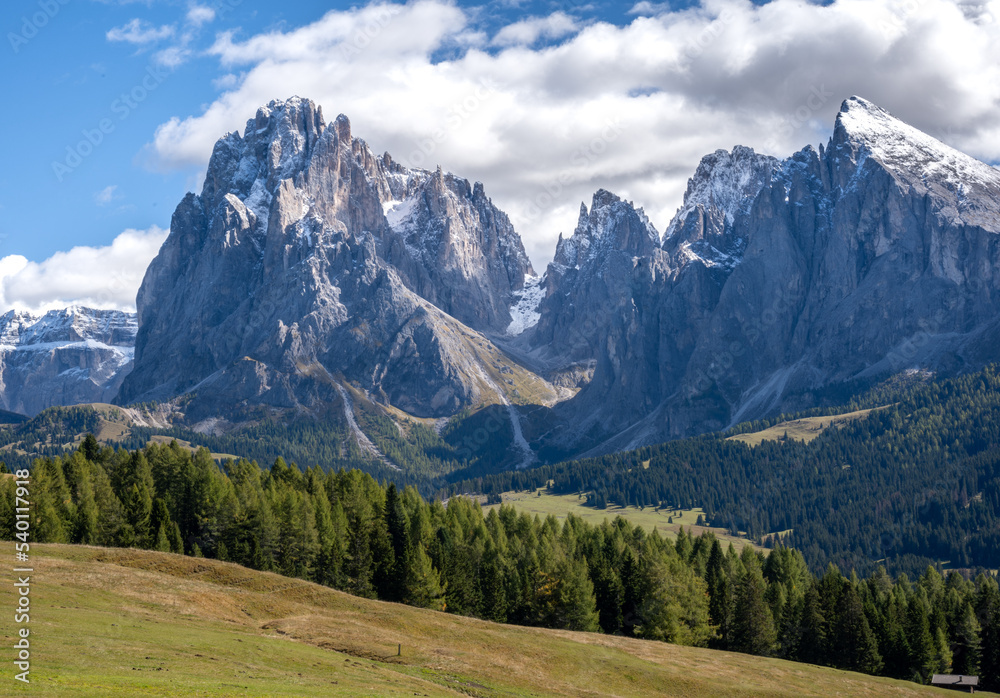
[347,531]
[913,484]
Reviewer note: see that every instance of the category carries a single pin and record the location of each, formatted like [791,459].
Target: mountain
[312,277]
[63,357]
[778,283]
[307,261]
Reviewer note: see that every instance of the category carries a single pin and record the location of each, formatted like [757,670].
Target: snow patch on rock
[524,312]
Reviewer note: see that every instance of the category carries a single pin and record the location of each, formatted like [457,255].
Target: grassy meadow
[112,622]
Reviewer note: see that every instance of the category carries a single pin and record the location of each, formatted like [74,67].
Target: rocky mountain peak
[724,186]
[866,131]
[343,126]
[611,225]
[721,192]
[305,247]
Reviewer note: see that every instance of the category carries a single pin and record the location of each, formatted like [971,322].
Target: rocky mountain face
[308,266]
[307,260]
[777,280]
[63,357]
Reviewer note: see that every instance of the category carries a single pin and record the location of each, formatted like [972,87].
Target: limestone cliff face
[307,259]
[879,253]
[589,278]
[64,357]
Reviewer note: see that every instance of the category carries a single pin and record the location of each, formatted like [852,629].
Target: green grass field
[668,523]
[805,429]
[108,622]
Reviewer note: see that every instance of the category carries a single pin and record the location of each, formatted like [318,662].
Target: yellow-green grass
[188,446]
[805,429]
[667,522]
[135,623]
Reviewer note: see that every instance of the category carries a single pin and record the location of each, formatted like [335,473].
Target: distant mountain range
[63,357]
[309,268]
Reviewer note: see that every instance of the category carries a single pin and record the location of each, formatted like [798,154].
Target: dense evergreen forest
[345,530]
[913,484]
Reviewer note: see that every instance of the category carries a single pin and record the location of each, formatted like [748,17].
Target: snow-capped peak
[19,329]
[611,225]
[727,182]
[903,148]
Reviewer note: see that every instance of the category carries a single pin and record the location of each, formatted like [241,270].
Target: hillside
[127,622]
[667,521]
[911,484]
[805,429]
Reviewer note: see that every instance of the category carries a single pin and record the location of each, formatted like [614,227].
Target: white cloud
[106,196]
[172,56]
[138,31]
[200,14]
[97,277]
[226,82]
[630,108]
[528,31]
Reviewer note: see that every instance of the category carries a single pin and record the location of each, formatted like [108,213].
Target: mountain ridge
[65,356]
[309,264]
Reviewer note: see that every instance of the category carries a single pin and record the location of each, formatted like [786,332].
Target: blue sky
[114,104]
[68,77]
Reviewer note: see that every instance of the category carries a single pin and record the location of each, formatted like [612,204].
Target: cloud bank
[547,110]
[96,277]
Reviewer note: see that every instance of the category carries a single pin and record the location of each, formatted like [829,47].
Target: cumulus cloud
[140,32]
[172,56]
[630,108]
[97,277]
[530,30]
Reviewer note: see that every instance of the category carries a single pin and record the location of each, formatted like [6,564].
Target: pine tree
[966,646]
[853,644]
[49,524]
[85,529]
[176,542]
[397,526]
[721,596]
[988,612]
[162,541]
[359,561]
[138,511]
[919,639]
[423,583]
[90,448]
[7,508]
[573,606]
[675,604]
[493,590]
[753,624]
[812,645]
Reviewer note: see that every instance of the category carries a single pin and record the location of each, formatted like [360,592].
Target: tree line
[912,484]
[346,530]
